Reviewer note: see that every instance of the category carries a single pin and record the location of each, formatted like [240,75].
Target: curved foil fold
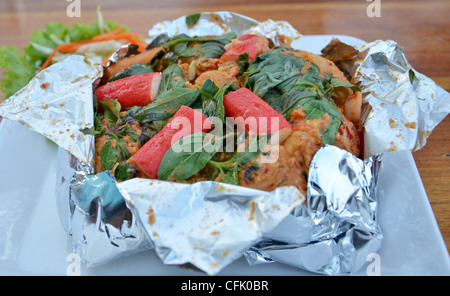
[337,228]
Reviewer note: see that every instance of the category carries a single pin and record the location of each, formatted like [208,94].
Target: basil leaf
[177,46]
[196,151]
[313,106]
[281,80]
[291,100]
[135,69]
[218,99]
[243,63]
[220,109]
[230,175]
[166,104]
[158,41]
[223,39]
[111,110]
[251,151]
[337,83]
[271,69]
[207,93]
[212,99]
[330,133]
[133,134]
[207,49]
[209,89]
[109,156]
[124,171]
[97,129]
[192,19]
[172,77]
[412,76]
[314,109]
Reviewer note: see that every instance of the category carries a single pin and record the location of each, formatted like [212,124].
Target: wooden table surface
[421,27]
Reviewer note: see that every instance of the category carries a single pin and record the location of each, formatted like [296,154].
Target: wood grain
[421,27]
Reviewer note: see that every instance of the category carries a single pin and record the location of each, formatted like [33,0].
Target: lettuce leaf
[21,67]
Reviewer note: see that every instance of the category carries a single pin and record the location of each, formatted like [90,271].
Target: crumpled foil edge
[404,105]
[337,227]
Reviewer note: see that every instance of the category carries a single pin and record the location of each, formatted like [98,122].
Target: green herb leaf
[230,175]
[223,39]
[124,171]
[166,105]
[412,76]
[312,106]
[135,69]
[111,110]
[337,83]
[212,106]
[290,100]
[271,69]
[97,129]
[194,152]
[109,156]
[243,63]
[251,151]
[207,49]
[172,77]
[280,79]
[330,133]
[207,94]
[19,70]
[209,89]
[192,19]
[177,47]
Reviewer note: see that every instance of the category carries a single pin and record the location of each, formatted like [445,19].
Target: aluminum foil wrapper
[406,105]
[219,23]
[207,224]
[402,106]
[57,103]
[202,224]
[337,228]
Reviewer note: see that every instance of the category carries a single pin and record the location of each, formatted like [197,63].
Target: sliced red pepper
[251,43]
[136,90]
[251,113]
[148,158]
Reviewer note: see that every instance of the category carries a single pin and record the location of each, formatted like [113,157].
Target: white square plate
[33,241]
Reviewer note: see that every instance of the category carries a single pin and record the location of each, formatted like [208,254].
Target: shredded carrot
[118,30]
[116,34]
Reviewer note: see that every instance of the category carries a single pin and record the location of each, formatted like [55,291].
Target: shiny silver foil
[219,23]
[207,224]
[405,105]
[57,103]
[202,224]
[337,228]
